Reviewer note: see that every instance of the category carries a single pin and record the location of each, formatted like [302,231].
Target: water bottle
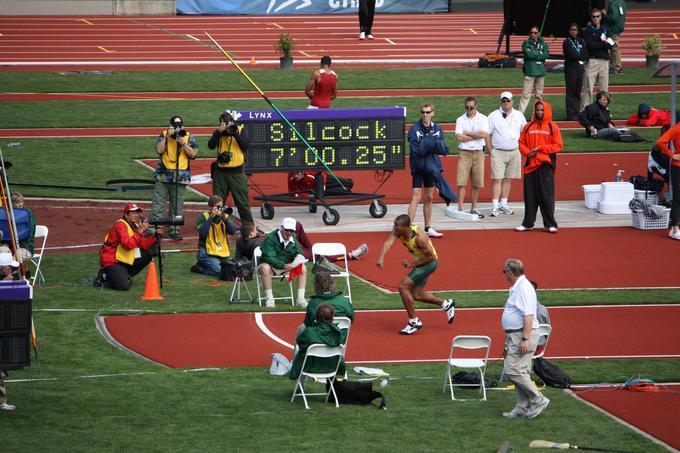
[14,145]
[619,176]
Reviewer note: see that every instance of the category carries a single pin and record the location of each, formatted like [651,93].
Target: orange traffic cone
[152,292]
[252,61]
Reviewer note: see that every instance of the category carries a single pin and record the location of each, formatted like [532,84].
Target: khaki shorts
[470,163]
[276,272]
[506,164]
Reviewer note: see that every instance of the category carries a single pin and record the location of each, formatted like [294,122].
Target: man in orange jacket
[540,140]
[673,135]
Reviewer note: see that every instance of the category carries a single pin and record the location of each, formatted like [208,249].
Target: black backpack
[471,378]
[353,392]
[642,183]
[551,374]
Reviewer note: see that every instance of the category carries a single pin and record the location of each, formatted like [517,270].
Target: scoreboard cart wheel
[267,211]
[331,216]
[377,209]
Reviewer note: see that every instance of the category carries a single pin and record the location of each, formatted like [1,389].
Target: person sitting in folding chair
[324,287]
[26,246]
[322,331]
[279,250]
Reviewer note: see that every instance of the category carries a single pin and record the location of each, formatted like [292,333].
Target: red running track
[574,258]
[573,171]
[655,413]
[213,339]
[234,95]
[104,42]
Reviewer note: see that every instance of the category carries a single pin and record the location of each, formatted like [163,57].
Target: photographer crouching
[213,226]
[128,248]
[176,148]
[231,141]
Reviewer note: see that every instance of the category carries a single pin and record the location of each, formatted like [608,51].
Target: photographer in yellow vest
[213,227]
[128,248]
[230,139]
[176,148]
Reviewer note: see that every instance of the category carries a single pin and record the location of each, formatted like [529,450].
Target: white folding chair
[334,249]
[283,277]
[543,332]
[343,323]
[479,363]
[41,231]
[320,351]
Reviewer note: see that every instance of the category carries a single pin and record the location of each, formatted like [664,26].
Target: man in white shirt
[505,127]
[520,324]
[472,132]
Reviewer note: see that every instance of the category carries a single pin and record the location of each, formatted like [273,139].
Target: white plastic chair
[343,323]
[542,331]
[283,277]
[334,249]
[323,351]
[479,363]
[41,231]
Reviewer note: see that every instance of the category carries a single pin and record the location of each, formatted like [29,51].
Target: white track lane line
[260,323]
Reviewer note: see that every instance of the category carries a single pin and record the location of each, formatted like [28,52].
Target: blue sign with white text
[306,6]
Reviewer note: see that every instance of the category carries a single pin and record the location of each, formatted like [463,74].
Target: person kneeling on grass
[322,331]
[412,287]
[127,250]
[213,226]
[281,253]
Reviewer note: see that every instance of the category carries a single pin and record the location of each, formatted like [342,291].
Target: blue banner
[306,6]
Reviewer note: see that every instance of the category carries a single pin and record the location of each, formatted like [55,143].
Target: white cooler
[592,195]
[614,197]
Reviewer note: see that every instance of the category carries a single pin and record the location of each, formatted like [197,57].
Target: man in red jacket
[649,117]
[673,136]
[540,140]
[127,250]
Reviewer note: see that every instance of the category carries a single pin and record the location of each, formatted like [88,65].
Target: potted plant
[285,49]
[652,46]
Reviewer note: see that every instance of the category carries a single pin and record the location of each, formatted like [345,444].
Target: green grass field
[86,395]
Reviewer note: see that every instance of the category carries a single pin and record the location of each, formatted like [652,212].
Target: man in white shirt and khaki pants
[505,127]
[472,132]
[520,324]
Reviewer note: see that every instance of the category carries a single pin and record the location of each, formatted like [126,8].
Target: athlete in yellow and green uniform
[412,287]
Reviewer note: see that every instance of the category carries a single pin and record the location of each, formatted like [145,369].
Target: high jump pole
[264,96]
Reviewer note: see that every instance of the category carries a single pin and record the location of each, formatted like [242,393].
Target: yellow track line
[276,25]
[305,53]
[104,49]
[86,21]
[472,30]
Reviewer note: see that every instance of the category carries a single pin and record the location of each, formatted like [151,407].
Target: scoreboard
[368,139]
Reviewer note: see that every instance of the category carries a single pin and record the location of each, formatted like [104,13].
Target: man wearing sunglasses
[472,132]
[535,52]
[426,141]
[280,250]
[599,42]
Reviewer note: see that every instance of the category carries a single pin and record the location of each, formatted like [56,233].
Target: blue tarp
[306,6]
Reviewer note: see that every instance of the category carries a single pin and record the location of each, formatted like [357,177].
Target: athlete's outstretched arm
[386,246]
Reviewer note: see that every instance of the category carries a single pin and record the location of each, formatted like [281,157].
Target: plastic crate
[592,195]
[642,222]
[648,195]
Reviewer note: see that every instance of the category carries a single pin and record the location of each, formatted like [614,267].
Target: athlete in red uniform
[322,87]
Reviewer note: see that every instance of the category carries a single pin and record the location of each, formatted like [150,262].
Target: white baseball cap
[6,259]
[288,223]
[506,94]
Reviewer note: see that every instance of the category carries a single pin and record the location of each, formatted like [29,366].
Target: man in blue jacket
[426,140]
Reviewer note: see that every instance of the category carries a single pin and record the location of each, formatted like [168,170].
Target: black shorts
[422,180]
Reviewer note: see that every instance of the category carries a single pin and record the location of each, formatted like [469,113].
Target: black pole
[160,259]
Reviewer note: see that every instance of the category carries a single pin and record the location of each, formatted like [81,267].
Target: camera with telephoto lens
[227,210]
[172,221]
[231,128]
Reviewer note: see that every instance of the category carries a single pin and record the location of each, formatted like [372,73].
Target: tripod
[238,281]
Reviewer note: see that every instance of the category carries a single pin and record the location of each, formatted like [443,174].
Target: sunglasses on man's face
[534,32]
[506,100]
[426,112]
[595,17]
[470,107]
